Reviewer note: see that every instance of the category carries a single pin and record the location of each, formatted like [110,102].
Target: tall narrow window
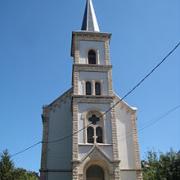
[88,88]
[92,57]
[98,88]
[95,130]
[99,135]
[90,134]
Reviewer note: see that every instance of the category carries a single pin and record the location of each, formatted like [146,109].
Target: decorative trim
[75,81]
[45,120]
[74,130]
[95,151]
[75,170]
[91,67]
[123,104]
[131,169]
[107,52]
[136,147]
[92,99]
[110,83]
[59,100]
[55,170]
[114,135]
[75,141]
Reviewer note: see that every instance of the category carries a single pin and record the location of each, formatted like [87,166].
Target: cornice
[86,34]
[92,67]
[55,170]
[92,99]
[131,169]
[57,102]
[123,104]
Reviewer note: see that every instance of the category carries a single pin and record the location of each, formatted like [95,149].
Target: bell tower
[92,97]
[104,144]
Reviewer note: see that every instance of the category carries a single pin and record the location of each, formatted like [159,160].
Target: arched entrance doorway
[94,172]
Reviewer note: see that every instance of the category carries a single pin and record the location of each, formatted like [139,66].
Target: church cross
[94,119]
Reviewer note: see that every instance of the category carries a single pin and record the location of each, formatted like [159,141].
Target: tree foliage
[161,166]
[9,172]
[6,166]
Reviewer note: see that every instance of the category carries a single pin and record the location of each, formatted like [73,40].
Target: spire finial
[90,21]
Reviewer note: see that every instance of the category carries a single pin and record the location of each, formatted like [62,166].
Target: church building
[89,133]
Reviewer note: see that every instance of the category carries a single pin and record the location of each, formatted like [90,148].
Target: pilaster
[74,131]
[136,147]
[107,52]
[75,81]
[114,135]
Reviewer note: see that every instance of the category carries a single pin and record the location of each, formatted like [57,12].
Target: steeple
[90,21]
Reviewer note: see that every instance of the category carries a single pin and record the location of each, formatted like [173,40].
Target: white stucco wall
[59,154]
[125,138]
[59,176]
[85,46]
[128,175]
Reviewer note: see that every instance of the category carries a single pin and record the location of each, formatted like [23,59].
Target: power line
[154,121]
[159,118]
[30,147]
[150,123]
[127,94]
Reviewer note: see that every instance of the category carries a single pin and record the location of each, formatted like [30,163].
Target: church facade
[89,133]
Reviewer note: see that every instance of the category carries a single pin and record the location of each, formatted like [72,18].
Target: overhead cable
[127,94]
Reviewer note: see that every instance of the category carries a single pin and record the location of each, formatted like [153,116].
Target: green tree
[22,174]
[9,172]
[6,166]
[170,165]
[163,166]
[151,166]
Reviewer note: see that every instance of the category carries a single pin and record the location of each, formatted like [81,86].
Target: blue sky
[36,67]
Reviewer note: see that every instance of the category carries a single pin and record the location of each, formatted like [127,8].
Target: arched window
[92,57]
[90,134]
[88,88]
[95,130]
[99,135]
[95,172]
[98,88]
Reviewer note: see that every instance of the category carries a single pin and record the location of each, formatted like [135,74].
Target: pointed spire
[90,21]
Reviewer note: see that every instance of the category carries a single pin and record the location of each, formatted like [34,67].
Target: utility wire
[150,123]
[30,147]
[127,94]
[160,118]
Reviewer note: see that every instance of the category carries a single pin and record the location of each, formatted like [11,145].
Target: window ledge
[91,144]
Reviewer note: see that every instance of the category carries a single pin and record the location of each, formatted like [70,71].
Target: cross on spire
[89,20]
